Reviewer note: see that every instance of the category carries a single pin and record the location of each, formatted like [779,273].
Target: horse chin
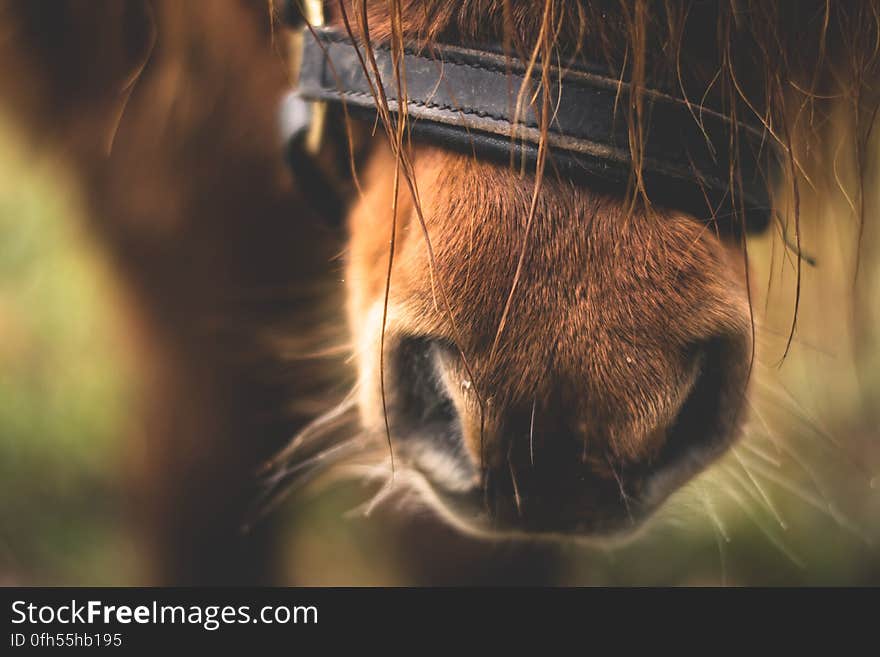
[466,512]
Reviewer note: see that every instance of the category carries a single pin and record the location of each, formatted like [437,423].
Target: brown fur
[589,327]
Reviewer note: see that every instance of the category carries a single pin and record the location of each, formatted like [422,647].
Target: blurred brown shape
[165,112]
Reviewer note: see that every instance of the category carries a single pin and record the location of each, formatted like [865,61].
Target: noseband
[467,100]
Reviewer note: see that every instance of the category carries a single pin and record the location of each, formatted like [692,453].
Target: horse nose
[575,457]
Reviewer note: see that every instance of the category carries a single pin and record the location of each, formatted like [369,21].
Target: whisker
[383,471]
[823,505]
[333,351]
[623,495]
[278,485]
[720,534]
[532,434]
[823,430]
[301,471]
[771,537]
[713,515]
[766,498]
[813,423]
[383,494]
[516,496]
[317,428]
[770,433]
[811,474]
[761,454]
[797,410]
[802,463]
[766,333]
[721,560]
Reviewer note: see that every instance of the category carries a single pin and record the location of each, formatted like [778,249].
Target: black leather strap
[465,99]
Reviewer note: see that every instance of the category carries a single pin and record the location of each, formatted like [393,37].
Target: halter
[466,100]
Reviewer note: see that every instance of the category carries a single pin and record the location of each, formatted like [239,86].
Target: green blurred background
[797,502]
[63,394]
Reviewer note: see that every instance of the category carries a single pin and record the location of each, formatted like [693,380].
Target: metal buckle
[312,13]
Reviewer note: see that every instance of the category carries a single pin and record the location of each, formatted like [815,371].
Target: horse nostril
[422,414]
[420,397]
[567,475]
[706,423]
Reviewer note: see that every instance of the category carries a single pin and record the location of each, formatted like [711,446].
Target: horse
[545,351]
[540,343]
